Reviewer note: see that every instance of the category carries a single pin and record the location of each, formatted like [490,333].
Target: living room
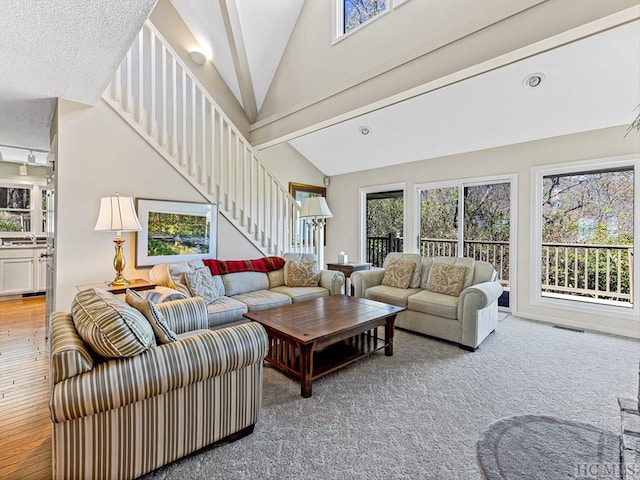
[99,154]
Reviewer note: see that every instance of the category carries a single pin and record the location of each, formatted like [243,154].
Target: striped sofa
[119,418]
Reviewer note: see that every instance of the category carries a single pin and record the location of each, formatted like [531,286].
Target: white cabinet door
[16,272]
[41,270]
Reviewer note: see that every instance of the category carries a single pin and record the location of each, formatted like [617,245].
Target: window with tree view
[357,12]
[15,209]
[588,235]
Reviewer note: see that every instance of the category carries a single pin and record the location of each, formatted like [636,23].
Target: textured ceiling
[59,48]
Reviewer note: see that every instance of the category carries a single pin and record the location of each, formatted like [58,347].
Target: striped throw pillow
[109,326]
[153,315]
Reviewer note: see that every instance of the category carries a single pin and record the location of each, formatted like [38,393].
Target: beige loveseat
[240,292]
[465,318]
[123,403]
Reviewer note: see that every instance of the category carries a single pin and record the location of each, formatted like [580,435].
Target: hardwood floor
[25,425]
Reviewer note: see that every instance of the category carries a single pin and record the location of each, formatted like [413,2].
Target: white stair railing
[154,91]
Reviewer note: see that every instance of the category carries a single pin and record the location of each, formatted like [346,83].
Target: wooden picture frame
[175,231]
[300,192]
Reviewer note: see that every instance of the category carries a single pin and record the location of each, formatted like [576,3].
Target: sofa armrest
[185,315]
[332,280]
[479,296]
[361,280]
[164,368]
[161,294]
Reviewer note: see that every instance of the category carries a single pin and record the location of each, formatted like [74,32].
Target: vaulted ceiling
[429,79]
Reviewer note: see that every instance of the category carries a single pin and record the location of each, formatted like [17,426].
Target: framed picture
[300,192]
[175,231]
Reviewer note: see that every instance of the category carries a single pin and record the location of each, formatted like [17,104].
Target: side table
[138,284]
[347,269]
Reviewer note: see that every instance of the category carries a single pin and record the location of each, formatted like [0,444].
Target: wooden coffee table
[308,340]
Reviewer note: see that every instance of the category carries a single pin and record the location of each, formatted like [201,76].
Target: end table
[138,284]
[347,269]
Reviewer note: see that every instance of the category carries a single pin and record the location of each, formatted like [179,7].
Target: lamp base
[119,281]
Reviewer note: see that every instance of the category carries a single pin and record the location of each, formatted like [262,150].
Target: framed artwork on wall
[175,231]
[300,192]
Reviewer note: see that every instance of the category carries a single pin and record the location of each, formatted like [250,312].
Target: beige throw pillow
[201,284]
[300,274]
[398,274]
[163,333]
[446,279]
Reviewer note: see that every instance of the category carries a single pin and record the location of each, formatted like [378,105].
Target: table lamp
[117,214]
[315,210]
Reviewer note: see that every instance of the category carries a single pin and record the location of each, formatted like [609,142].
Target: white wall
[343,229]
[98,155]
[288,165]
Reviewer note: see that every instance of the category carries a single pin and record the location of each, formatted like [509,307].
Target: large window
[351,14]
[586,234]
[470,218]
[15,209]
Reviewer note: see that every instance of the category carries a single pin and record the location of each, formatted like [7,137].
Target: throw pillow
[153,315]
[109,326]
[446,279]
[201,284]
[398,274]
[300,274]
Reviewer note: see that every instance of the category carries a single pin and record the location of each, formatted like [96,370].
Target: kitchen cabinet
[22,270]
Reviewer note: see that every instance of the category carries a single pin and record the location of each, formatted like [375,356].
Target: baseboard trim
[570,324]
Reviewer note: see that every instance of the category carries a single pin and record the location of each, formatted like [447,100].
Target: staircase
[154,91]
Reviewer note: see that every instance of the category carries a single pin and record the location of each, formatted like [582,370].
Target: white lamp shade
[315,207]
[117,214]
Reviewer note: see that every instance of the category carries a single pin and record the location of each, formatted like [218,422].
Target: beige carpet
[420,413]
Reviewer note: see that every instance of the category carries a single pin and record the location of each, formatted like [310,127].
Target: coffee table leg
[389,330]
[306,370]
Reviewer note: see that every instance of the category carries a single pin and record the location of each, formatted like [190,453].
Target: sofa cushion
[173,274]
[392,295]
[427,264]
[201,284]
[446,279]
[398,274]
[225,310]
[262,299]
[300,274]
[434,303]
[161,294]
[155,318]
[109,326]
[276,278]
[244,282]
[407,257]
[301,294]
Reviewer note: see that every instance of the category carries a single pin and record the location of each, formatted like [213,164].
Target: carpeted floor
[420,413]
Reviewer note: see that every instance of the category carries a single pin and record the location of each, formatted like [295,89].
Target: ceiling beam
[231,19]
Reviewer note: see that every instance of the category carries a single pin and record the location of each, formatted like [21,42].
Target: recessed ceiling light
[365,130]
[534,80]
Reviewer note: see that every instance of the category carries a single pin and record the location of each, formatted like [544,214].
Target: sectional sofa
[237,292]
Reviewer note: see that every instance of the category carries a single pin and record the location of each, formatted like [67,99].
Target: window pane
[357,12]
[15,198]
[587,235]
[385,224]
[439,222]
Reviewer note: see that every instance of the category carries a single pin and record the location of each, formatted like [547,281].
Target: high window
[354,13]
[587,228]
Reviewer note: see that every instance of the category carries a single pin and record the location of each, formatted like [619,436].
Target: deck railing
[601,272]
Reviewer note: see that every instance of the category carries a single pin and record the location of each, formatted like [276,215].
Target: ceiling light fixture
[365,130]
[534,80]
[31,157]
[198,57]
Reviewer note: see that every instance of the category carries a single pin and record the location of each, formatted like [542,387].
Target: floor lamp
[316,211]
[117,214]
